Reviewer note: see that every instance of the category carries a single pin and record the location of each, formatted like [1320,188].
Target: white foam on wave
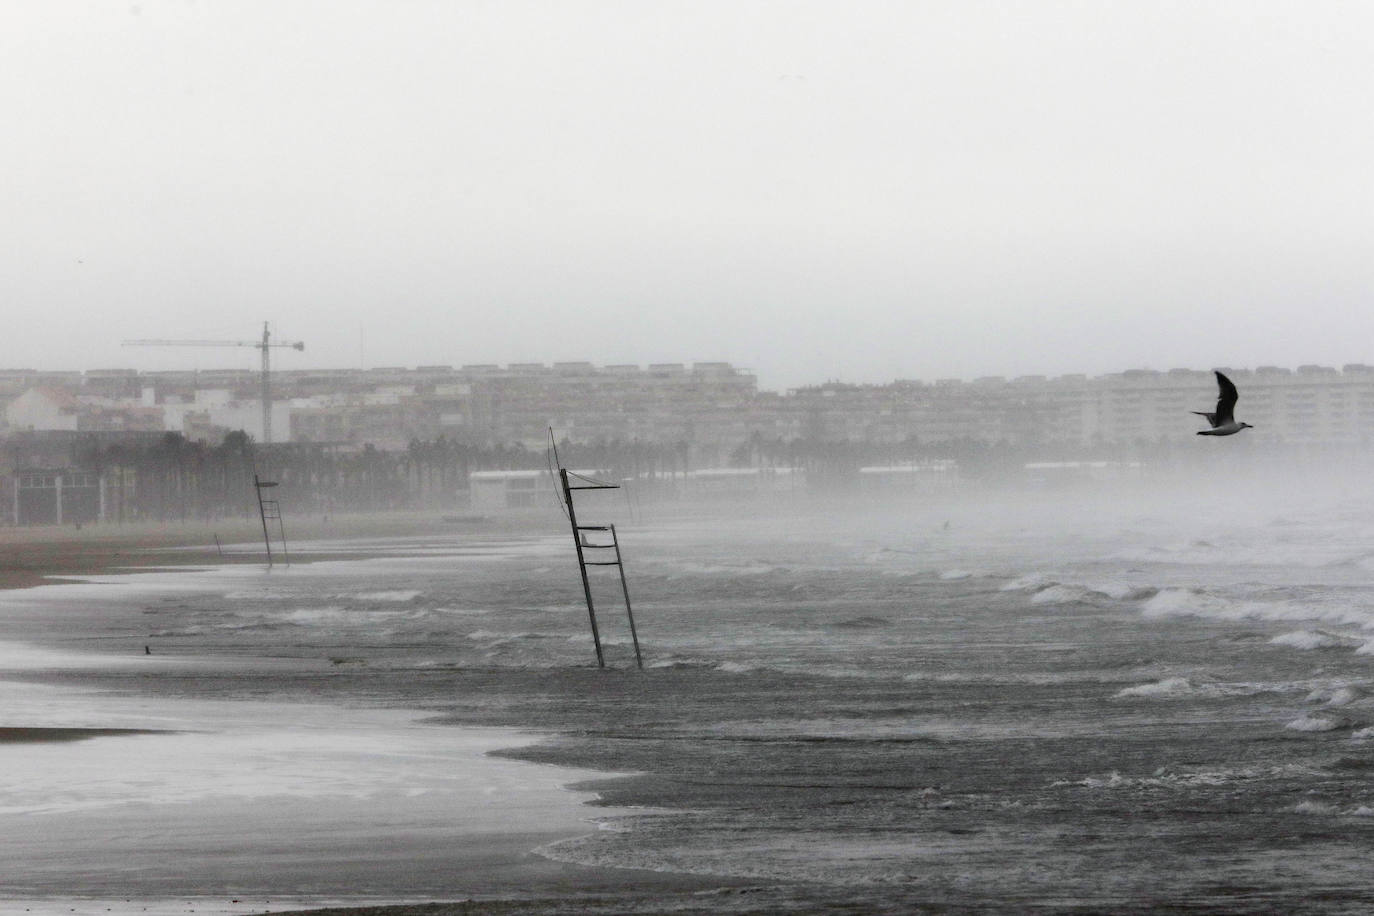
[1310,723]
[479,635]
[1168,687]
[1167,777]
[735,668]
[1339,696]
[1183,602]
[333,615]
[954,575]
[1309,639]
[307,616]
[1050,590]
[397,595]
[1028,582]
[1315,807]
[1344,696]
[1330,809]
[1178,687]
[1193,602]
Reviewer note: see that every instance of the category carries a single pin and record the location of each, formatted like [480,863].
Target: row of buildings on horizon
[95,445]
[711,407]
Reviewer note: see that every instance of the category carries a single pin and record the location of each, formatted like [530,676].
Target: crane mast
[265,345]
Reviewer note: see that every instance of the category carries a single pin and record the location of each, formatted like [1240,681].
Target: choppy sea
[1086,700]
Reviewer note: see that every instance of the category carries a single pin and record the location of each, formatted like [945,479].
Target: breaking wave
[1169,687]
[1340,696]
[1277,604]
[1047,590]
[1316,724]
[1310,639]
[1167,777]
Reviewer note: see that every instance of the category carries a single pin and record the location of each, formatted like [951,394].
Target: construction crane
[265,345]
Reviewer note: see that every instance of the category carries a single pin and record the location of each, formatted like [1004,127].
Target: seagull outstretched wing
[1211,417]
[1226,403]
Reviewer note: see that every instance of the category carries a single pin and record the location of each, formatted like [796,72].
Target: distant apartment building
[48,409]
[1311,404]
[710,408]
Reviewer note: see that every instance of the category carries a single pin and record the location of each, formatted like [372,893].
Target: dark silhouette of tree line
[174,478]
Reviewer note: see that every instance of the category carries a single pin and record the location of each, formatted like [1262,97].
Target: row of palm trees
[173,477]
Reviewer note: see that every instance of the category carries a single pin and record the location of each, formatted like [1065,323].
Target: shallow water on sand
[158,801]
[1107,705]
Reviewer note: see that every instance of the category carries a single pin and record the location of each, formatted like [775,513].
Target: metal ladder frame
[580,541]
[270,509]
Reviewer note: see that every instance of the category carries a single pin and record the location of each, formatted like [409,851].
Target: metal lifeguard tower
[583,544]
[269,509]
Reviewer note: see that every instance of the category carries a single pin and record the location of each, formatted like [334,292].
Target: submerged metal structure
[269,509]
[580,541]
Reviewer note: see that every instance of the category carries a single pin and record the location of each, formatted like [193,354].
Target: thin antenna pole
[551,456]
[582,565]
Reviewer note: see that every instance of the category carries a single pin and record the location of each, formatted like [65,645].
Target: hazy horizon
[251,362]
[809,190]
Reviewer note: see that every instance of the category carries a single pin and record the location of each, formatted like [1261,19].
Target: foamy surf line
[280,800]
[323,798]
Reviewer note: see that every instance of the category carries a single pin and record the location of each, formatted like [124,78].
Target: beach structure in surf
[591,537]
[269,510]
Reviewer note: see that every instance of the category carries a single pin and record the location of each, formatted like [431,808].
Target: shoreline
[38,555]
[505,870]
[38,734]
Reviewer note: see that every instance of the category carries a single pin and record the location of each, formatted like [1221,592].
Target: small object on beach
[1223,422]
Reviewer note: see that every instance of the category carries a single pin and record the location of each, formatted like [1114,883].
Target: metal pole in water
[262,514]
[629,612]
[582,565]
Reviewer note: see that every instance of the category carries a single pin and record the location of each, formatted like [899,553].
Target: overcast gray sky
[814,190]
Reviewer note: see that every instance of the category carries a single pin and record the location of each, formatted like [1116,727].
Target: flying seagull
[1223,421]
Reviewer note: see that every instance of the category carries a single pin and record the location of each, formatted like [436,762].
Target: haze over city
[810,190]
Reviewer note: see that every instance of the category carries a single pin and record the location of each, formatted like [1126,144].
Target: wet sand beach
[36,555]
[9,735]
[937,709]
[374,843]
